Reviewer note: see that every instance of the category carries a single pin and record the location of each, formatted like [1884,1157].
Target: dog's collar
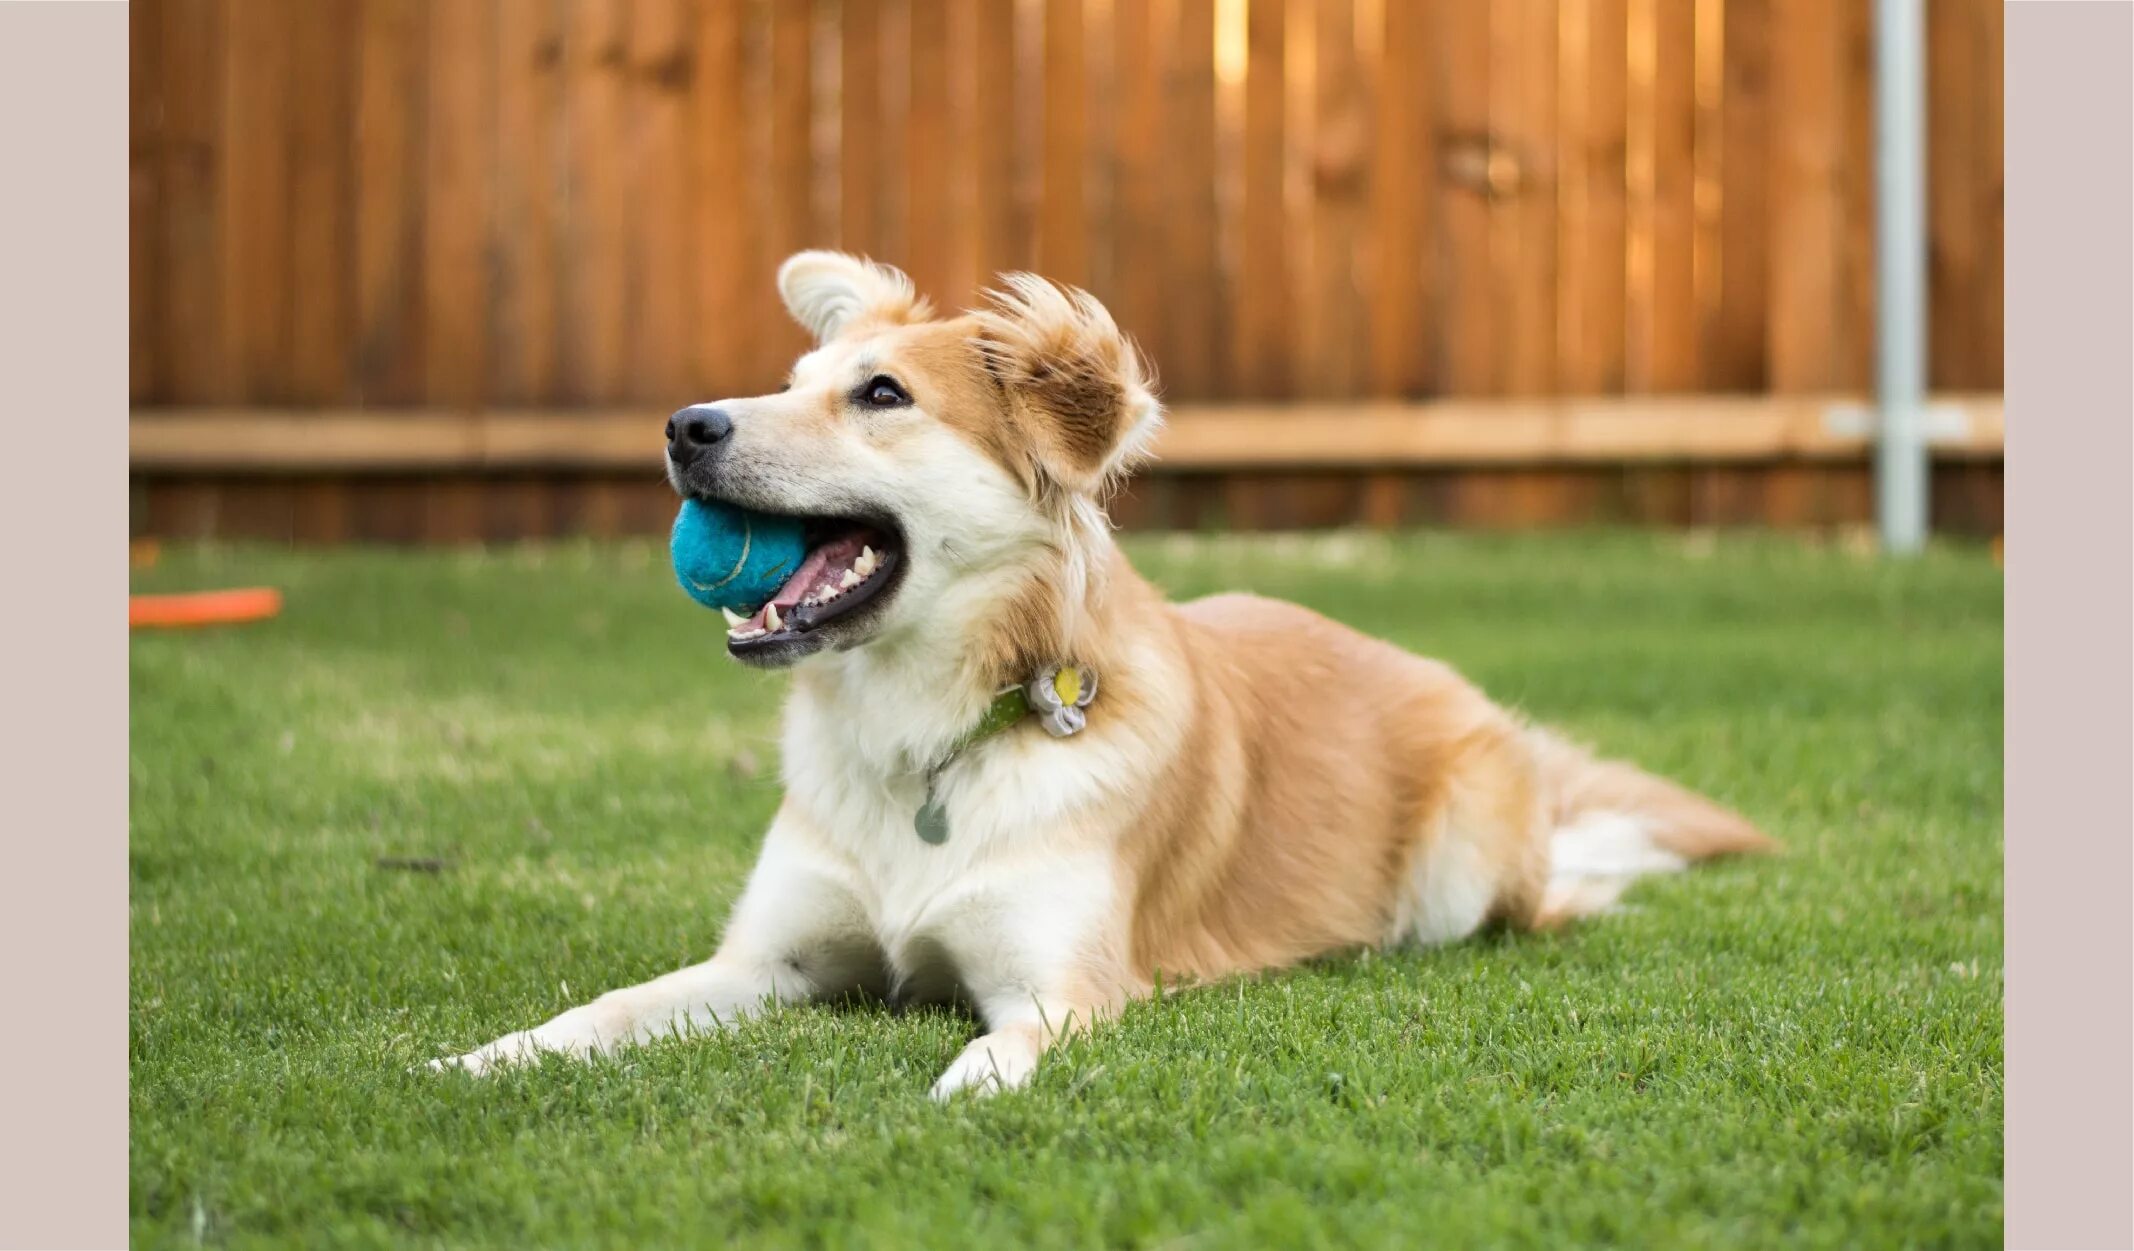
[1059,695]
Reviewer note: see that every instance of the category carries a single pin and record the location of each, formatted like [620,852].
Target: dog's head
[948,470]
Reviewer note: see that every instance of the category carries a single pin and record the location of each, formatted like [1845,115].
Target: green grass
[1800,1051]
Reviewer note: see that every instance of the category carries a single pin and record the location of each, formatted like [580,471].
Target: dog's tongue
[803,578]
[822,563]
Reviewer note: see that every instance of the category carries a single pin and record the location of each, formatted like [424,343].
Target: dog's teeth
[733,618]
[865,564]
[770,617]
[852,578]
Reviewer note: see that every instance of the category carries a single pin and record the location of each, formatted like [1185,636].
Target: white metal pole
[1900,252]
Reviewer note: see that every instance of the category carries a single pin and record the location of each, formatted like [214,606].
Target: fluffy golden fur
[1256,785]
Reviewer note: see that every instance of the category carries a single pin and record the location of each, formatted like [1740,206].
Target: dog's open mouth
[848,566]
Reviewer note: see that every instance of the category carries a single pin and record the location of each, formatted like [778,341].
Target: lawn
[448,794]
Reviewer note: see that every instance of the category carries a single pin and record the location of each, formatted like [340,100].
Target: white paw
[572,1034]
[990,1064]
[510,1049]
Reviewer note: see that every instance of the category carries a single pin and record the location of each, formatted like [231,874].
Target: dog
[1016,777]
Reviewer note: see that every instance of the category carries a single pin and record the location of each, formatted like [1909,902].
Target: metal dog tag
[932,821]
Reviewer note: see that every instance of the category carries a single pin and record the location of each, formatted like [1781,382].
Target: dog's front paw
[576,1033]
[510,1049]
[990,1064]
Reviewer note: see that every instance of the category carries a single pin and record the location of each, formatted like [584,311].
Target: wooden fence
[468,205]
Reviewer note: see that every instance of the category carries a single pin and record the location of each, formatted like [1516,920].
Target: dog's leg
[799,932]
[1040,958]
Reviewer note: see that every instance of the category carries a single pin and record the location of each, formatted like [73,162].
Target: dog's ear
[1075,383]
[828,291]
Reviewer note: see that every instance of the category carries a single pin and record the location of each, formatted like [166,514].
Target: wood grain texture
[459,186]
[1138,259]
[666,326]
[322,295]
[189,190]
[596,286]
[790,224]
[1403,207]
[258,90]
[928,174]
[1469,294]
[1266,321]
[1853,356]
[1670,334]
[1338,169]
[147,143]
[861,175]
[1194,356]
[525,315]
[1735,356]
[995,242]
[583,202]
[1062,224]
[1227,436]
[1523,75]
[1804,197]
[392,83]
[725,217]
[1591,119]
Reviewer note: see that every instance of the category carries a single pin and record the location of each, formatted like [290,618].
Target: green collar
[1007,708]
[1058,694]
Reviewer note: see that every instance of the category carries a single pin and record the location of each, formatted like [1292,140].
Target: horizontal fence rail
[1196,438]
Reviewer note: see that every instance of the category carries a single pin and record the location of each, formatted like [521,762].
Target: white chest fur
[1029,868]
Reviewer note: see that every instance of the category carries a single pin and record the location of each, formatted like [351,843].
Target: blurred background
[437,272]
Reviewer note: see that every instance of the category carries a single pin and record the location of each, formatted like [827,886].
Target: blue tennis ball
[728,557]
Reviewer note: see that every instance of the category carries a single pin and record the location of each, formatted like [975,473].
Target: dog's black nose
[695,430]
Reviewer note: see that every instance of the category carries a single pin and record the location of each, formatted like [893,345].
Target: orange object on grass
[203,608]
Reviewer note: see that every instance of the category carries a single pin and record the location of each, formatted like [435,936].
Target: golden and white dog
[1255,785]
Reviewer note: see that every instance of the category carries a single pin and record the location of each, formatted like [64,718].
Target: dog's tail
[1613,824]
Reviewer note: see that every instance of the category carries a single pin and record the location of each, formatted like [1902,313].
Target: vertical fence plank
[859,157]
[1467,305]
[1804,198]
[1403,209]
[322,303]
[1188,198]
[660,75]
[459,163]
[1672,365]
[596,276]
[1853,365]
[928,181]
[392,80]
[993,139]
[1265,320]
[1523,227]
[1339,174]
[1956,169]
[189,285]
[1062,240]
[1988,204]
[724,212]
[257,93]
[1734,357]
[145,160]
[1593,112]
[964,275]
[1137,211]
[791,225]
[529,201]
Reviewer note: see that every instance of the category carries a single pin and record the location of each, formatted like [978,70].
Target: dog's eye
[883,392]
